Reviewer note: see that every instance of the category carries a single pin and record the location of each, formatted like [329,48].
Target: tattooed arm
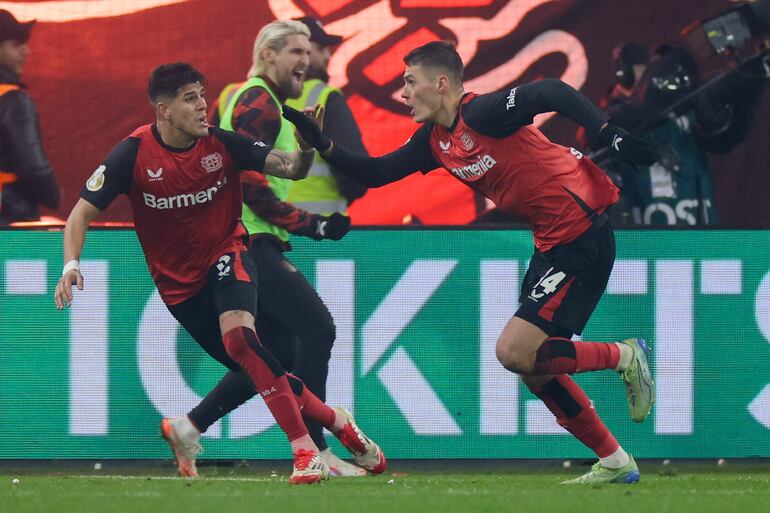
[255,155]
[298,166]
[294,166]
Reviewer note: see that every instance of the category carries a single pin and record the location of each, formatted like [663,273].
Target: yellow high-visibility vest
[318,193]
[286,141]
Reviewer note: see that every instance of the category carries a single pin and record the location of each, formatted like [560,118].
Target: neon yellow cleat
[628,474]
[640,388]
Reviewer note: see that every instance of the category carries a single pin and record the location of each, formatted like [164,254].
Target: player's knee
[513,358]
[236,343]
[243,346]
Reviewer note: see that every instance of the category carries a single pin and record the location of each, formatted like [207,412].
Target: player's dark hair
[167,79]
[437,54]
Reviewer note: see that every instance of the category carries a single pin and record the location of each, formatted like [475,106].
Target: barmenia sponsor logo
[182,200]
[475,170]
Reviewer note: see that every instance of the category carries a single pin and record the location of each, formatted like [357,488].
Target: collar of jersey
[156,134]
[457,117]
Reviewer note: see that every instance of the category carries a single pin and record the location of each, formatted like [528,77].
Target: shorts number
[223,266]
[548,282]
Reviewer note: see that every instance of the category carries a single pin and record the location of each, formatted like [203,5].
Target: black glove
[307,128]
[628,146]
[332,227]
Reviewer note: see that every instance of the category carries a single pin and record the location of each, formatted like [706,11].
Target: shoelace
[595,468]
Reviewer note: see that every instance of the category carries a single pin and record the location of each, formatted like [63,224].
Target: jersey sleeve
[247,154]
[502,113]
[256,115]
[258,195]
[413,156]
[113,176]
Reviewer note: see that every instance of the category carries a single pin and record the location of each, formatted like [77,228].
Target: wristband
[72,264]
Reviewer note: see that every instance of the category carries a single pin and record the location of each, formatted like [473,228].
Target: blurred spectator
[26,177]
[658,98]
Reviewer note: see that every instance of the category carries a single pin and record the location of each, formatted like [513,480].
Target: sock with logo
[563,356]
[234,389]
[574,412]
[243,346]
[311,406]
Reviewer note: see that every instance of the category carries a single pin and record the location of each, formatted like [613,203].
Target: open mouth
[299,75]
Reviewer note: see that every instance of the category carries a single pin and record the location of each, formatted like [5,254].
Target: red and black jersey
[552,187]
[257,115]
[492,148]
[186,202]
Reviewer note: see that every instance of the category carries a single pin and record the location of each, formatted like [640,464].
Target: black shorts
[563,285]
[231,284]
[291,318]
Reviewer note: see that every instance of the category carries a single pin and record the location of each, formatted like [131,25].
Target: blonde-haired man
[268,57]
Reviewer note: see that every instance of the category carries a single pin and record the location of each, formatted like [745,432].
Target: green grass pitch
[407,487]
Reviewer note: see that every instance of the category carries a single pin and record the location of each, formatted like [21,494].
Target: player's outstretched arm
[628,146]
[251,155]
[415,155]
[74,239]
[502,113]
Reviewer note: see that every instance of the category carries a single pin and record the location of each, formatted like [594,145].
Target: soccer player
[292,320]
[488,143]
[182,179]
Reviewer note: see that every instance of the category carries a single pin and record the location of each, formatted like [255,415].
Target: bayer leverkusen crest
[212,163]
[467,141]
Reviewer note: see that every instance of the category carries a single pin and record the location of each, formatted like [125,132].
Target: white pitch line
[177,478]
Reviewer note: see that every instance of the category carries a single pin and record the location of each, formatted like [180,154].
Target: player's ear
[442,84]
[162,111]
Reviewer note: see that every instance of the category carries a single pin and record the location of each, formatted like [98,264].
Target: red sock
[562,356]
[310,405]
[574,412]
[243,346]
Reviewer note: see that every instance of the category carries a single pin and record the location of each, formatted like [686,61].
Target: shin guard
[243,346]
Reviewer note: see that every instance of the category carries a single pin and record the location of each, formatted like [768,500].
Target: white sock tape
[72,264]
